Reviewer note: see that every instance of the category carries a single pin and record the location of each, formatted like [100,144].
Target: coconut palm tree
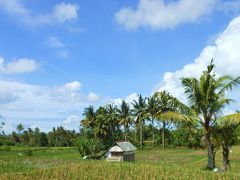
[152,110]
[207,100]
[165,103]
[124,115]
[225,136]
[140,113]
[89,117]
[102,126]
[112,118]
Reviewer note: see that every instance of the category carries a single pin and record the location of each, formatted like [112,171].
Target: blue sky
[81,52]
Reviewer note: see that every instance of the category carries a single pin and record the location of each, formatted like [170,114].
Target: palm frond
[176,117]
[229,120]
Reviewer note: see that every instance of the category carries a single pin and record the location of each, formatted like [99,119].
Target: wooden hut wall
[129,156]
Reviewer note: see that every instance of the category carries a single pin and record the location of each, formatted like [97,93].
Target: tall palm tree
[102,126]
[112,118]
[152,110]
[89,117]
[165,103]
[140,112]
[124,115]
[207,100]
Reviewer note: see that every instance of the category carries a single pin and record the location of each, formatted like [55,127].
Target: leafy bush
[5,148]
[88,146]
[27,152]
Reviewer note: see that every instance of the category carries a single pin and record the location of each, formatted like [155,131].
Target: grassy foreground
[64,163]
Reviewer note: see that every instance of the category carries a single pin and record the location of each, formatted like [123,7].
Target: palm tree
[225,130]
[165,103]
[20,128]
[152,110]
[89,117]
[140,112]
[124,116]
[101,126]
[207,100]
[112,118]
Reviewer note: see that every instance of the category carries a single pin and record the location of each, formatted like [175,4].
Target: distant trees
[59,137]
[20,128]
[2,127]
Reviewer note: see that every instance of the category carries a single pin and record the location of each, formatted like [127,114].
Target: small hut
[121,151]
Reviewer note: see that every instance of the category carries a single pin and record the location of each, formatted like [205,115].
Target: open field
[65,163]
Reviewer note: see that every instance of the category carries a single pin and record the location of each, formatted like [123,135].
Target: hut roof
[125,147]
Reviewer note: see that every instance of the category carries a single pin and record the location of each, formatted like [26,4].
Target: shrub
[88,146]
[27,152]
[6,148]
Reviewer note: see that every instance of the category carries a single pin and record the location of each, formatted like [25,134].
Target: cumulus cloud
[158,14]
[23,65]
[129,99]
[92,97]
[224,51]
[43,106]
[72,122]
[61,13]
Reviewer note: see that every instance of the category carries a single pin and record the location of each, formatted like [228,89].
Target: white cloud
[42,106]
[225,53]
[72,122]
[65,11]
[54,42]
[61,13]
[73,86]
[158,14]
[129,99]
[92,97]
[23,65]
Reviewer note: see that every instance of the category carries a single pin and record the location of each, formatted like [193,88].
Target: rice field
[65,163]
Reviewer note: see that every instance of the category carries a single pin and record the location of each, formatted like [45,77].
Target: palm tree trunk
[153,135]
[113,134]
[125,138]
[211,153]
[226,162]
[163,135]
[136,131]
[141,136]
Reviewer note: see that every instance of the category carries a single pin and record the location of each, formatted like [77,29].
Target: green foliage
[88,146]
[28,152]
[59,137]
[5,148]
[186,135]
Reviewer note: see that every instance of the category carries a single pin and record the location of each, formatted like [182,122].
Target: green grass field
[65,163]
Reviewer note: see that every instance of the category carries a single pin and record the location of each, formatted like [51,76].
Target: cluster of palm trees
[109,119]
[207,100]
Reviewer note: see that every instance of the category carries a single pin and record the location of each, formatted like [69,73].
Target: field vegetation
[65,163]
